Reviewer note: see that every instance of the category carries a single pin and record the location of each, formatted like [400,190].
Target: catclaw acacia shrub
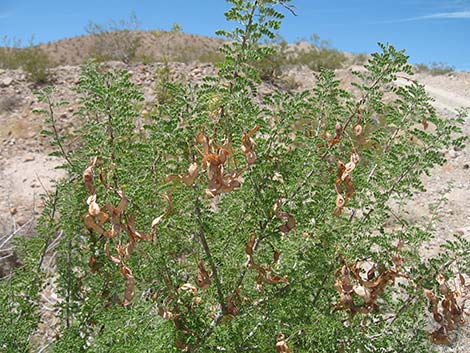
[233,222]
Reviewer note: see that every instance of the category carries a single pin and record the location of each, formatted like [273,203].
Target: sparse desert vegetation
[435,68]
[32,59]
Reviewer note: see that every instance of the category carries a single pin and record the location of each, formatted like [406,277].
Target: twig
[51,219]
[5,257]
[45,347]
[208,253]
[56,132]
[112,147]
[12,215]
[53,244]
[41,183]
[290,8]
[392,188]
[323,156]
[250,334]
[322,284]
[402,309]
[14,233]
[248,26]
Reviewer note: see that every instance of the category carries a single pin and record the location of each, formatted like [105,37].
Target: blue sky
[430,30]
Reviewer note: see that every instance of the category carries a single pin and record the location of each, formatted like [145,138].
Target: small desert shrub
[435,68]
[319,58]
[235,223]
[174,50]
[118,40]
[360,59]
[211,56]
[162,82]
[36,63]
[9,49]
[145,59]
[32,59]
[279,56]
[185,54]
[9,103]
[319,55]
[289,83]
[272,64]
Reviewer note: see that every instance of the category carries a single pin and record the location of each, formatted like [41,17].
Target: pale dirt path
[451,92]
[446,100]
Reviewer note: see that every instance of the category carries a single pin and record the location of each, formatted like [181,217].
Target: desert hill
[136,46]
[150,46]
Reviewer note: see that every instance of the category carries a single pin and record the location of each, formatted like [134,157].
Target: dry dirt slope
[450,92]
[152,45]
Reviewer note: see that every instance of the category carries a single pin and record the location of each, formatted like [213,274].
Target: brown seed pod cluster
[214,162]
[287,217]
[266,274]
[448,307]
[110,222]
[281,345]
[337,138]
[343,180]
[358,293]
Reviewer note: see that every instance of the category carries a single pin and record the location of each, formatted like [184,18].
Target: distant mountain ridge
[151,46]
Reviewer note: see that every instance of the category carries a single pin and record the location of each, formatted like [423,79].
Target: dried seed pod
[93,207]
[340,201]
[289,218]
[130,285]
[358,129]
[249,145]
[281,345]
[203,279]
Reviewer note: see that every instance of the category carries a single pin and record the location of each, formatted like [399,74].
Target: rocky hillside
[149,46]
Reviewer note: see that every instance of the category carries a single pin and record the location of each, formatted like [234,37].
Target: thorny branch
[205,245]
[57,138]
[51,219]
[290,8]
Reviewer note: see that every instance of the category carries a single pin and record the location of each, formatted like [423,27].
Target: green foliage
[9,52]
[176,28]
[319,55]
[360,59]
[19,301]
[32,59]
[271,66]
[211,56]
[36,63]
[251,244]
[162,82]
[173,50]
[315,53]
